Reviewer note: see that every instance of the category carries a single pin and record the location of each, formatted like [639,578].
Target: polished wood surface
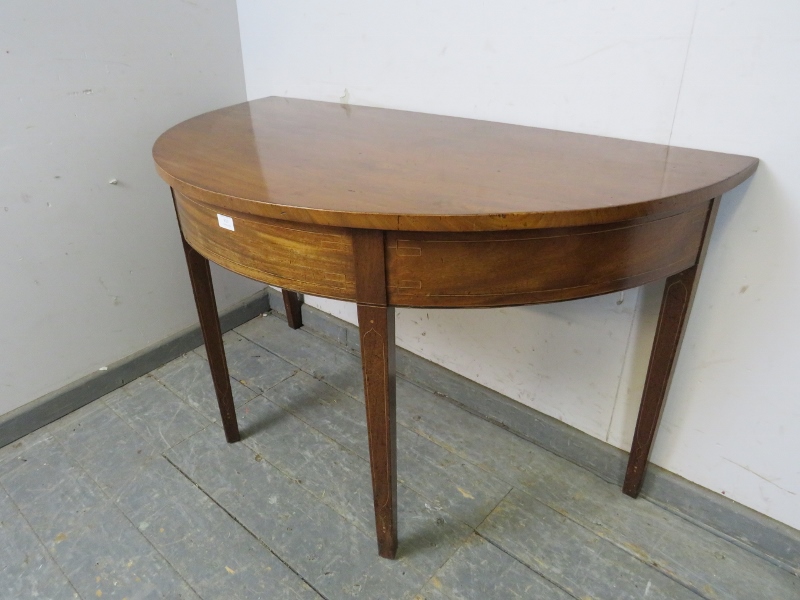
[203,289]
[434,269]
[317,260]
[390,208]
[448,269]
[376,332]
[353,166]
[679,291]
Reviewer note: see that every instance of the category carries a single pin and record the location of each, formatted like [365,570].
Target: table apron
[302,257]
[445,269]
[429,269]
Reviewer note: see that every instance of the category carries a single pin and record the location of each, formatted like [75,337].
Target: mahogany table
[389,208]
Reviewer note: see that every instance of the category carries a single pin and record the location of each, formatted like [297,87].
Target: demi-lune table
[389,208]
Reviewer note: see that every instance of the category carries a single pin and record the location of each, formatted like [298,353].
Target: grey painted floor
[137,496]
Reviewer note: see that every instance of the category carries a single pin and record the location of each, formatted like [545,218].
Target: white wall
[92,272]
[708,74]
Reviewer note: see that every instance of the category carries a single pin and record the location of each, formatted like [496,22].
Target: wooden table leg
[679,293]
[292,304]
[200,274]
[376,325]
[376,329]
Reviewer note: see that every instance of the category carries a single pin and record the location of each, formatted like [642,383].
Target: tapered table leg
[675,306]
[671,324]
[376,328]
[376,325]
[200,274]
[292,304]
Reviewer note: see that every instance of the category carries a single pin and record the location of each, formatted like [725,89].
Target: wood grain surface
[676,306]
[353,166]
[292,305]
[427,269]
[376,331]
[295,256]
[203,289]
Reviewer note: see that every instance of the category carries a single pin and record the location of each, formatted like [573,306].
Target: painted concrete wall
[92,272]
[709,74]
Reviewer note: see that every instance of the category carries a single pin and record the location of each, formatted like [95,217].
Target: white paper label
[225,222]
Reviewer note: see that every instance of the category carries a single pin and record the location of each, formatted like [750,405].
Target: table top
[361,167]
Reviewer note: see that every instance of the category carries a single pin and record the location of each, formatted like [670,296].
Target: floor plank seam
[311,426]
[527,566]
[258,390]
[724,536]
[113,503]
[355,524]
[319,498]
[179,397]
[352,522]
[456,548]
[208,422]
[41,543]
[245,528]
[650,564]
[146,539]
[414,383]
[488,514]
[345,448]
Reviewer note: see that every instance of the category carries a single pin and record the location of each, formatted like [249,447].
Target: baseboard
[61,402]
[743,526]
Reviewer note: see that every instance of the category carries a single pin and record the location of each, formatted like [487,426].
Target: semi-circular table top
[352,166]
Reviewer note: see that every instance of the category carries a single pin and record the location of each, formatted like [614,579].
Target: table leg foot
[292,304]
[376,327]
[200,275]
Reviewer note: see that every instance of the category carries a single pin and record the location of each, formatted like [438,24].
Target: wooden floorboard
[139,495]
